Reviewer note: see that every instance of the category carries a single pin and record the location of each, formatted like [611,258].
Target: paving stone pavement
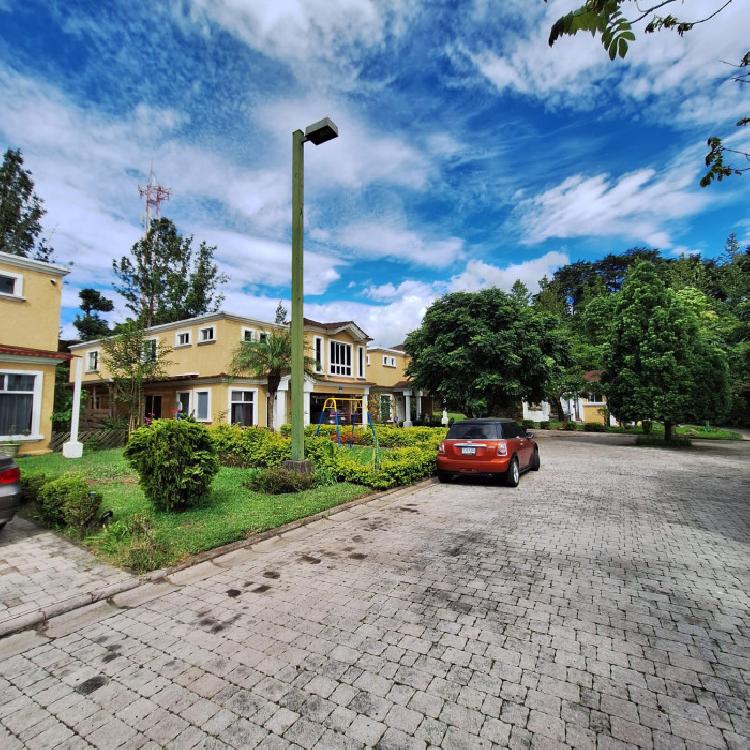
[602,604]
[39,568]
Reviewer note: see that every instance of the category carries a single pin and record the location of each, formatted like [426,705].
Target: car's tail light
[502,448]
[10,476]
[441,448]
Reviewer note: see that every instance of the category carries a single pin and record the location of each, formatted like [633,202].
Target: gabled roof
[337,327]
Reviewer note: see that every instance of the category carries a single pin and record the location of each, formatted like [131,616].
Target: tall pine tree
[165,280]
[90,326]
[21,211]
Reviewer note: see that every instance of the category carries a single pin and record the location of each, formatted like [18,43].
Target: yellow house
[392,388]
[30,300]
[197,376]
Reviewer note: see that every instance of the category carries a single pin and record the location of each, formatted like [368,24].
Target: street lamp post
[317,133]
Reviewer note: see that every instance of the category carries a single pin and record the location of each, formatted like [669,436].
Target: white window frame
[389,360]
[332,364]
[360,361]
[367,360]
[88,360]
[189,401]
[244,331]
[156,348]
[320,363]
[209,412]
[17,287]
[262,336]
[36,408]
[596,400]
[201,339]
[189,342]
[256,403]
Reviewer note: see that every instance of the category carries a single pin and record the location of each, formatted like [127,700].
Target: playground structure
[332,405]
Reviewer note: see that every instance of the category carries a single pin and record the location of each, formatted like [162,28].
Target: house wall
[32,319]
[383,375]
[536,412]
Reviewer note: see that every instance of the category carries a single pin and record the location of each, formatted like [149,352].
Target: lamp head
[322,131]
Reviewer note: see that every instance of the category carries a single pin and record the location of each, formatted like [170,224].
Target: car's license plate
[468,451]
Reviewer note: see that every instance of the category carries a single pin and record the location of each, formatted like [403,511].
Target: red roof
[24,351]
[593,376]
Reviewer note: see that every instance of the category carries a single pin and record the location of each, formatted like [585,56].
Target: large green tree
[164,279]
[663,362]
[483,352]
[21,211]
[90,325]
[615,21]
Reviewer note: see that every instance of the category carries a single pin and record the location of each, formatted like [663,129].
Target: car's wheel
[536,462]
[513,475]
[443,477]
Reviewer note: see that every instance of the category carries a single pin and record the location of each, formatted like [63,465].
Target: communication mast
[154,194]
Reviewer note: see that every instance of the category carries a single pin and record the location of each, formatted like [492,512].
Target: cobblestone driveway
[39,569]
[602,604]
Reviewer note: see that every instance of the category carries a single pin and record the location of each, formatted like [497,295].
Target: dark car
[10,488]
[493,446]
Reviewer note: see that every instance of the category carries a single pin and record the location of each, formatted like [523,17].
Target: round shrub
[594,427]
[30,486]
[570,426]
[176,462]
[68,500]
[544,425]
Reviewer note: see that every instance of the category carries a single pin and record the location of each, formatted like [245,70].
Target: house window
[152,406]
[341,359]
[182,338]
[318,354]
[20,398]
[183,404]
[535,406]
[360,362]
[11,284]
[595,398]
[203,406]
[389,361]
[206,334]
[262,337]
[92,361]
[149,350]
[242,408]
[247,334]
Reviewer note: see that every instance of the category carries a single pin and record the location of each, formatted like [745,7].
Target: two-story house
[197,378]
[30,301]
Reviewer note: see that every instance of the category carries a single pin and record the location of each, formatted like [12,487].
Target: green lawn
[231,512]
[698,432]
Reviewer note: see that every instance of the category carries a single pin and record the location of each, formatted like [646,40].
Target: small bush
[594,427]
[133,543]
[570,426]
[65,498]
[250,447]
[30,486]
[544,425]
[675,442]
[527,423]
[176,462]
[81,510]
[279,481]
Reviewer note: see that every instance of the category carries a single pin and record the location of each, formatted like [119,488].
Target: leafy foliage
[482,352]
[279,481]
[164,280]
[67,500]
[21,211]
[252,447]
[176,462]
[90,326]
[31,484]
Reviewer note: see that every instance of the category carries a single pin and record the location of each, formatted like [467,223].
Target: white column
[419,405]
[407,415]
[365,398]
[307,389]
[279,415]
[73,448]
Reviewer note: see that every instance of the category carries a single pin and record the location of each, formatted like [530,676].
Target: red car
[493,446]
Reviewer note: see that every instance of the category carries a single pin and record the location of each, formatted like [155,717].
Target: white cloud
[665,76]
[640,205]
[408,287]
[481,275]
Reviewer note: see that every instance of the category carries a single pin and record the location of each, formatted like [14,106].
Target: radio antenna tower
[154,194]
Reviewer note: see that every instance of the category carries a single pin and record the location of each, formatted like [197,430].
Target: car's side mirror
[529,434]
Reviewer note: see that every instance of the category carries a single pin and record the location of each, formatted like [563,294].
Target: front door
[152,407]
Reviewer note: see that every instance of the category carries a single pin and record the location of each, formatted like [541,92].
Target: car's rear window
[469,431]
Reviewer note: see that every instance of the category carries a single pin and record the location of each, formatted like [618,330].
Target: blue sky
[470,154]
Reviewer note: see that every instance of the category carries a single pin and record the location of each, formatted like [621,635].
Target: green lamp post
[317,133]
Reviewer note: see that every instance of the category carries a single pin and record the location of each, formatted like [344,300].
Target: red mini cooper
[494,446]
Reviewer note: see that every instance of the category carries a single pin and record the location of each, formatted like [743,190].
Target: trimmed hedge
[68,501]
[279,481]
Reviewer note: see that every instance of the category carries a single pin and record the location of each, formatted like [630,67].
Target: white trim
[36,409]
[256,403]
[322,367]
[34,265]
[251,331]
[361,366]
[202,340]
[386,349]
[389,360]
[19,359]
[331,364]
[209,412]
[177,400]
[98,360]
[189,342]
[17,287]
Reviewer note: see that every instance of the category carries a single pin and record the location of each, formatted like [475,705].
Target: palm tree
[269,358]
